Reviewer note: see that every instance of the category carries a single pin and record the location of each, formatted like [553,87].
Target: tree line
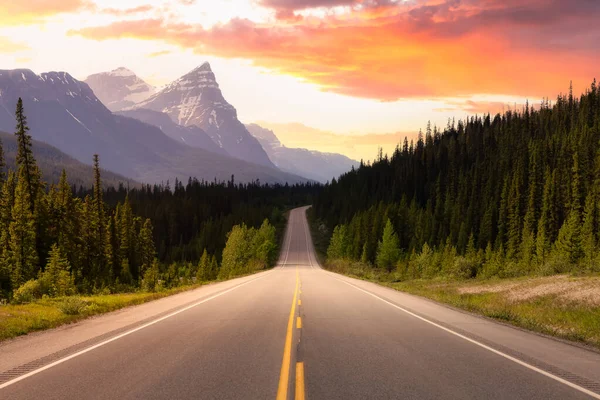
[512,194]
[57,240]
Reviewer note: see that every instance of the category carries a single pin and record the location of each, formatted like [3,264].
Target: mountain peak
[122,71]
[205,67]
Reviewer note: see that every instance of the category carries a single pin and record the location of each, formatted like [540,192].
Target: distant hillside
[320,166]
[52,161]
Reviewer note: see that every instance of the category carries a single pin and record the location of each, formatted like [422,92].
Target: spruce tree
[25,158]
[147,250]
[22,252]
[7,200]
[57,279]
[588,230]
[203,273]
[2,166]
[339,243]
[388,249]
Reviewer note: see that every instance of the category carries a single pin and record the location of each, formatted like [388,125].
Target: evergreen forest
[508,195]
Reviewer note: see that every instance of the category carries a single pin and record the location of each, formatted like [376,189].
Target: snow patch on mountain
[195,99]
[120,88]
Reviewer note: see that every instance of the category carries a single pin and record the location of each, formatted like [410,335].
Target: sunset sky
[347,66]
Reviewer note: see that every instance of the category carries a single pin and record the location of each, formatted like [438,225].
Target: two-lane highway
[298,332]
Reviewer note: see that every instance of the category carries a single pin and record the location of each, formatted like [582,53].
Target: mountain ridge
[316,165]
[119,88]
[65,113]
[196,99]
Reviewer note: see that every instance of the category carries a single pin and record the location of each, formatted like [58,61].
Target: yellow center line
[299,323]
[299,381]
[299,302]
[284,376]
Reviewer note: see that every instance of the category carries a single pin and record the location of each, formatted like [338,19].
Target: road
[296,332]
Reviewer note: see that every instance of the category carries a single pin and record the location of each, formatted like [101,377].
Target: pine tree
[22,252]
[338,245]
[25,158]
[7,200]
[2,166]
[146,246]
[589,229]
[388,249]
[204,273]
[568,242]
[56,280]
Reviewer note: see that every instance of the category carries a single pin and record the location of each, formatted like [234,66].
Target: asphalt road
[299,332]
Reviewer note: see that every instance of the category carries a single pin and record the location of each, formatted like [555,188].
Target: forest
[58,240]
[491,196]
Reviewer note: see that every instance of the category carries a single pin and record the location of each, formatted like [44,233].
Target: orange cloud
[14,12]
[8,46]
[159,53]
[128,11]
[428,49]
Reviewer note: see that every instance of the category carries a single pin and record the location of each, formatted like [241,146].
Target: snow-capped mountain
[311,164]
[66,114]
[196,99]
[120,88]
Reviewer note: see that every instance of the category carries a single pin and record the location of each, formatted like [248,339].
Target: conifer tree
[25,158]
[7,199]
[22,252]
[568,242]
[589,229]
[204,273]
[338,244]
[56,280]
[388,249]
[2,166]
[146,246]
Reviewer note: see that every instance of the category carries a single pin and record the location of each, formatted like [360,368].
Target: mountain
[190,135]
[195,99]
[314,165]
[120,88]
[356,146]
[52,161]
[66,113]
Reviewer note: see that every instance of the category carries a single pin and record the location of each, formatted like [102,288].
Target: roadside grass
[20,319]
[47,313]
[549,313]
[563,306]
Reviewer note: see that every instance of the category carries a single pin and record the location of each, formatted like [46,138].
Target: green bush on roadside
[27,292]
[73,306]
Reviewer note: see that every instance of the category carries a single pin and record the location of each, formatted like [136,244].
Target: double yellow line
[284,376]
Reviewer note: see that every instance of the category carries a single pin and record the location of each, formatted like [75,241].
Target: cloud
[160,53]
[387,50]
[13,12]
[8,46]
[127,11]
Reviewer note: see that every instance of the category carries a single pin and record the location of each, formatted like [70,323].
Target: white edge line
[62,360]
[513,359]
[305,223]
[288,234]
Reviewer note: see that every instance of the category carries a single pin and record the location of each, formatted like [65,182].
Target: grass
[16,320]
[563,306]
[547,312]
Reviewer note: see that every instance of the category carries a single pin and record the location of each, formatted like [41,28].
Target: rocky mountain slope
[195,99]
[315,165]
[120,88]
[65,113]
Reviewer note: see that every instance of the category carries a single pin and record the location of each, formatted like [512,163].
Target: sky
[345,66]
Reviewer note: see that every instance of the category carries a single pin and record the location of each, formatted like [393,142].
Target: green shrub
[151,278]
[73,306]
[28,292]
